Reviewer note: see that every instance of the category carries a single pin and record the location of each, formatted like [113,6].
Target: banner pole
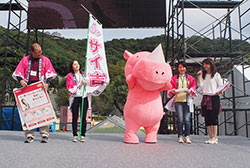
[85,8]
[90,14]
[84,85]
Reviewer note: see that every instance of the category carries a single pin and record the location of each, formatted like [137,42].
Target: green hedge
[99,117]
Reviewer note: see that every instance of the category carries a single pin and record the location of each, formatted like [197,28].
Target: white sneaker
[29,140]
[188,140]
[217,141]
[208,141]
[181,139]
[214,141]
[82,139]
[74,139]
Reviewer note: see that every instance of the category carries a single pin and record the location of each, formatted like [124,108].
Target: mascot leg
[131,130]
[151,133]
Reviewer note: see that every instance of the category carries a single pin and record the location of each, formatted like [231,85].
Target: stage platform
[109,151]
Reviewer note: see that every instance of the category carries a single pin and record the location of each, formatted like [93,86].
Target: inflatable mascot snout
[146,75]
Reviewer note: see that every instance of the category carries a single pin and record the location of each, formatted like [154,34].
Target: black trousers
[75,114]
[211,116]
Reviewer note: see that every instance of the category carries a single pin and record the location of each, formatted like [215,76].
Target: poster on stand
[34,106]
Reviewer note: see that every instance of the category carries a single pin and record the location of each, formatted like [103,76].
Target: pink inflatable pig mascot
[146,75]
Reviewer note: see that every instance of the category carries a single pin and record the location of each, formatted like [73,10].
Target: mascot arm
[130,79]
[167,86]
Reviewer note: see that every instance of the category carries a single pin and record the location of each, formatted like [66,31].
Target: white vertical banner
[97,69]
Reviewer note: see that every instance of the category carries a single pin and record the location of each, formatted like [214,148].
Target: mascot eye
[156,72]
[137,56]
[162,73]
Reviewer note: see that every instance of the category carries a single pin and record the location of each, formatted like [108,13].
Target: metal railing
[227,124]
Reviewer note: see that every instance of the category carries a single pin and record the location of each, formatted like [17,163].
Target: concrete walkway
[108,151]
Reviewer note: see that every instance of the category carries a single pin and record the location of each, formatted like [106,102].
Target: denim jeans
[183,116]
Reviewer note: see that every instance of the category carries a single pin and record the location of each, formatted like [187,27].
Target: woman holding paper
[74,84]
[183,89]
[210,80]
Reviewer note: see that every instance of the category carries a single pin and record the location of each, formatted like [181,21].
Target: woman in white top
[209,80]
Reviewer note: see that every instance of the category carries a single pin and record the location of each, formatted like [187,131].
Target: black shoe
[44,140]
[29,140]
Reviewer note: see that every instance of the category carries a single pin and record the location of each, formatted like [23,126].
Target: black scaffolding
[18,38]
[181,47]
[14,47]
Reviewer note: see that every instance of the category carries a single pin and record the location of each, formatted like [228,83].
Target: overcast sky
[195,18]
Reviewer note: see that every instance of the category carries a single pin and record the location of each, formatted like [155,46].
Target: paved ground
[108,150]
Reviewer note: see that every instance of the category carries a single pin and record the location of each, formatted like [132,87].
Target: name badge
[33,73]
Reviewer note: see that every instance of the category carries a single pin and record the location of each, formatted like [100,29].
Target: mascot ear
[127,54]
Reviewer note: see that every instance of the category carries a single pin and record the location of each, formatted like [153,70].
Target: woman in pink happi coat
[183,90]
[74,84]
